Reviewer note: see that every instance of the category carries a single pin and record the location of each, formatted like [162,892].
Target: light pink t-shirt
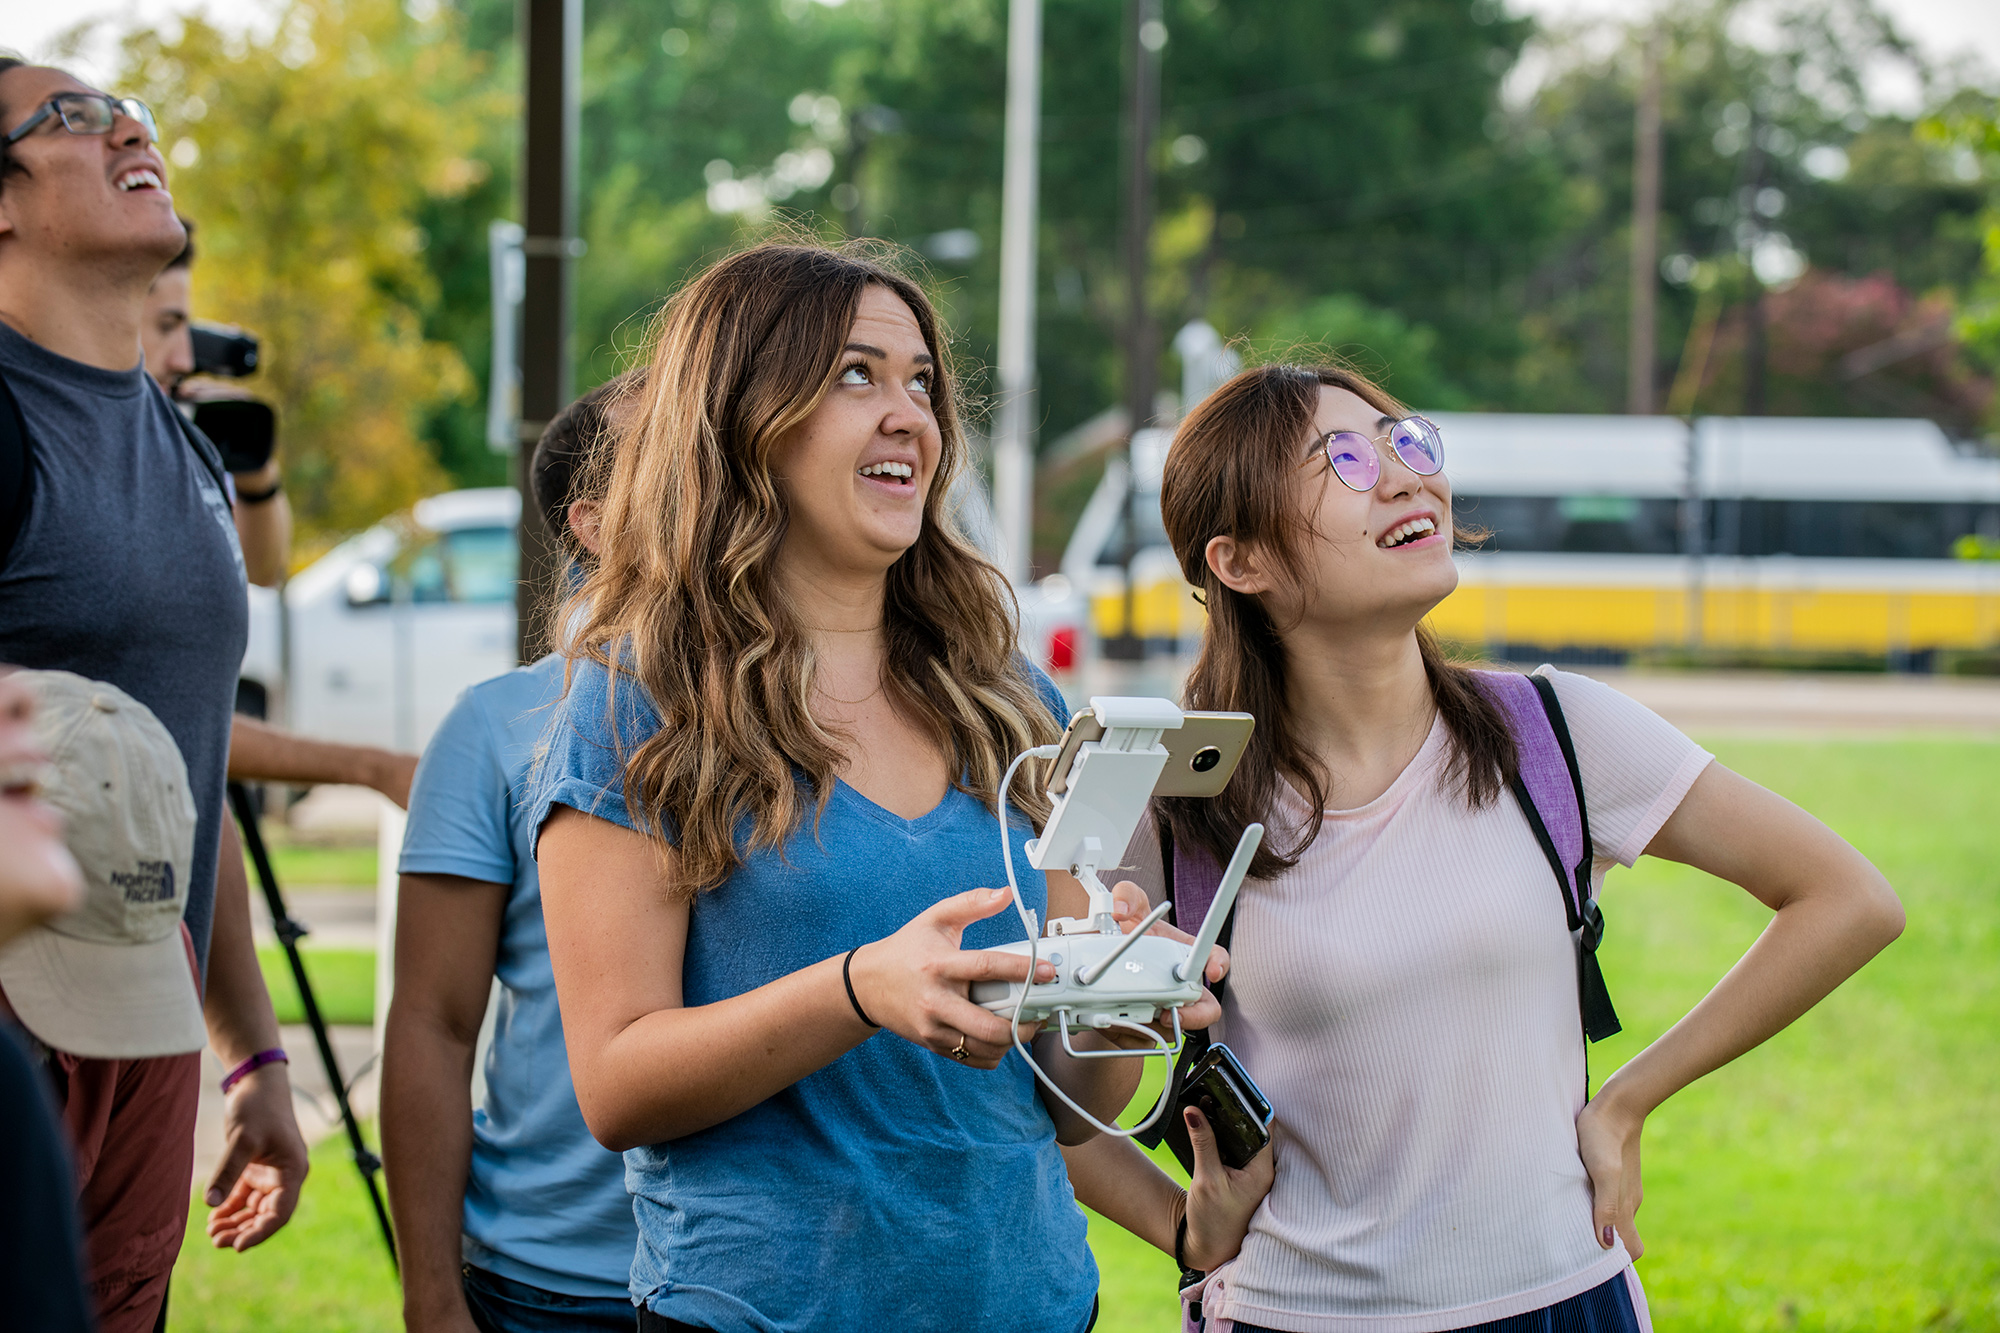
[1406,997]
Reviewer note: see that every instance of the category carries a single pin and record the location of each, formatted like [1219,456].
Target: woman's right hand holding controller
[917,982]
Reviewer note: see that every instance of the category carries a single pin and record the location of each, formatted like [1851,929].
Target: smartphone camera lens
[1206,758]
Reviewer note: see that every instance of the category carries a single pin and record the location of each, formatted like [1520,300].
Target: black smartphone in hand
[1237,1111]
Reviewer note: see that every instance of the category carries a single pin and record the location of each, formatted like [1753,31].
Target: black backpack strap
[1600,1019]
[17,472]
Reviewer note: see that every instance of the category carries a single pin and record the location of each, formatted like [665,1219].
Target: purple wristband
[274,1056]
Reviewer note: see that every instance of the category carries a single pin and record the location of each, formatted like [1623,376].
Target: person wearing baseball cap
[110,990]
[41,1251]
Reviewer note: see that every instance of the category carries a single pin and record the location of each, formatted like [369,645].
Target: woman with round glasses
[1405,987]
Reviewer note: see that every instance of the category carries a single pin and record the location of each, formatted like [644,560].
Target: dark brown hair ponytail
[1230,472]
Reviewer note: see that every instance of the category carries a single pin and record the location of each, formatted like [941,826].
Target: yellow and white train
[1614,534]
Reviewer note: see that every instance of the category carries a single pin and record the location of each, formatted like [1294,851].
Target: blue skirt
[1602,1309]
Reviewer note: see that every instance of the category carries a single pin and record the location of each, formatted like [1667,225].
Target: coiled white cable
[1034,938]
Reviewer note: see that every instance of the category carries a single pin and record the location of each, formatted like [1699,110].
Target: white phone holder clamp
[1106,978]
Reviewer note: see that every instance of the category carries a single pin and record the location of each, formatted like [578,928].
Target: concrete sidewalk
[339,918]
[1815,703]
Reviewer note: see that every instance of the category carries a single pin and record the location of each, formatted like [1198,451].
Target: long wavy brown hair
[1232,470]
[684,604]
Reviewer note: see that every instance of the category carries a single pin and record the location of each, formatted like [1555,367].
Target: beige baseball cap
[113,979]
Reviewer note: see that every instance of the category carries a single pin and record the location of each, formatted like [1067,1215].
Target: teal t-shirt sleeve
[1051,696]
[582,765]
[459,801]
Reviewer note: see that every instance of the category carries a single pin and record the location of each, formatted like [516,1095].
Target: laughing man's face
[83,199]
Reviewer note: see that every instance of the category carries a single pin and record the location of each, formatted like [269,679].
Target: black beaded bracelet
[847,980]
[270,492]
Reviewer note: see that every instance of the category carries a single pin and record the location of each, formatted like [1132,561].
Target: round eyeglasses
[87,113]
[1355,460]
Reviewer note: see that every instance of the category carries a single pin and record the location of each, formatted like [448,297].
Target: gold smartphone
[1201,755]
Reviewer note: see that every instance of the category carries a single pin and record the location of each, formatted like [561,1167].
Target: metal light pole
[1756,350]
[1645,231]
[1146,34]
[1014,427]
[552,47]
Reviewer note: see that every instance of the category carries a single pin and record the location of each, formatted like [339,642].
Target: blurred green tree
[1400,356]
[308,159]
[1969,127]
[1307,148]
[1775,168]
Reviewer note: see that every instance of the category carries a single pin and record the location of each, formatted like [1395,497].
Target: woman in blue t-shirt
[766,831]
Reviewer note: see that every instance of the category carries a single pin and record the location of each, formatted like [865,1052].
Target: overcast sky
[1944,28]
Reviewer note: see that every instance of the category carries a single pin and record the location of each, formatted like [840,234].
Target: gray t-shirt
[126,569]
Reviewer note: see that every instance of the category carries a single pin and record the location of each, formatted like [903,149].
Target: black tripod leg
[289,933]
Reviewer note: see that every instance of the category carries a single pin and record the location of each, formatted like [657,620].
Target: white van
[389,626]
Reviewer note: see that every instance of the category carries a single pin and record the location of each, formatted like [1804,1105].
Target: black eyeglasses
[87,113]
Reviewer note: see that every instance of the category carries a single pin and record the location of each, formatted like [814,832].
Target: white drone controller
[1106,978]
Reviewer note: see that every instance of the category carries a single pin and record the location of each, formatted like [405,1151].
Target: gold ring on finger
[959,1052]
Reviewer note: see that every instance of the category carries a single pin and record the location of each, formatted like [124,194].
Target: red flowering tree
[1841,346]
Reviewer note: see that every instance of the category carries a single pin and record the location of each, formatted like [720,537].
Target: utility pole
[1146,35]
[552,49]
[1014,423]
[1756,353]
[1645,232]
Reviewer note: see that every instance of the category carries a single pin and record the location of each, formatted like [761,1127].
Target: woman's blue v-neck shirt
[892,1188]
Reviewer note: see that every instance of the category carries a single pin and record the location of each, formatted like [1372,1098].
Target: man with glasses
[119,561]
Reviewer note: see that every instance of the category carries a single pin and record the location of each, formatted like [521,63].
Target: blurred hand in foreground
[39,879]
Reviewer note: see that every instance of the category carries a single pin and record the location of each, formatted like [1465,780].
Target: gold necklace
[831,697]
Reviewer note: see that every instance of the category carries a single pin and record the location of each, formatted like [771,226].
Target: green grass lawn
[342,981]
[317,863]
[1846,1176]
[326,1272]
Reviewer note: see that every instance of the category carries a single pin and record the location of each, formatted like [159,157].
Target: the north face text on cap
[152,882]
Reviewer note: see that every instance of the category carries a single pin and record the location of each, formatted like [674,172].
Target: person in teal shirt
[510,1217]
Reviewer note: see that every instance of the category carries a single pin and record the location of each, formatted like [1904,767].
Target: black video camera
[244,429]
[221,350]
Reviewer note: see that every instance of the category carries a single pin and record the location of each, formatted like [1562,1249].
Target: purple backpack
[1550,791]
